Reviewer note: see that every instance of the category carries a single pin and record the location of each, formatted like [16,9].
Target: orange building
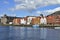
[16,21]
[35,20]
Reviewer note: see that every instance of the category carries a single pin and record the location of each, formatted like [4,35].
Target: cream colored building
[23,21]
[4,20]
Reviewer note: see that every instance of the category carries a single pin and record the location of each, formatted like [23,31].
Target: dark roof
[55,13]
[10,18]
[32,16]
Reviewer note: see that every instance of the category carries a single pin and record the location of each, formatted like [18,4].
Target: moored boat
[35,26]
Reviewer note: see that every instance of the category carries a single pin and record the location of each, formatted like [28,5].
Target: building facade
[54,18]
[4,20]
[29,19]
[36,20]
[16,21]
[43,20]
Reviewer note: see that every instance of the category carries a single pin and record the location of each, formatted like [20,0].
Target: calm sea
[28,33]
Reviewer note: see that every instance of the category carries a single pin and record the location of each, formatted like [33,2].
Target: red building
[50,20]
[54,18]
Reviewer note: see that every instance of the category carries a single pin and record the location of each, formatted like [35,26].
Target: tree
[41,15]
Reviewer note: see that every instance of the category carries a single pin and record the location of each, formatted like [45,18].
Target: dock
[41,26]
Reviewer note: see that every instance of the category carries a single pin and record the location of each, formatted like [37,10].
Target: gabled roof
[55,13]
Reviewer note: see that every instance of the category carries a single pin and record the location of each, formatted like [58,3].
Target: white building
[29,19]
[23,21]
[43,21]
[10,22]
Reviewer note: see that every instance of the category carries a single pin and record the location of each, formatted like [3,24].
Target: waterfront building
[36,20]
[4,19]
[16,21]
[54,18]
[29,19]
[23,21]
[19,20]
[50,19]
[7,19]
[10,22]
[0,21]
[43,20]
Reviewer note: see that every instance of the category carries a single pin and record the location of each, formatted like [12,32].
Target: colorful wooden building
[54,18]
[16,21]
[36,20]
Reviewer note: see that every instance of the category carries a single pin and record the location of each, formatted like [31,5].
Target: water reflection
[4,33]
[43,33]
[28,33]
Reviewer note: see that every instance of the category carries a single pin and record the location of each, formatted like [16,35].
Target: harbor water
[28,33]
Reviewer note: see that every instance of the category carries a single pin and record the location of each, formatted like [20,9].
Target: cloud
[33,4]
[47,12]
[53,10]
[11,9]
[17,0]
[20,6]
[6,2]
[25,4]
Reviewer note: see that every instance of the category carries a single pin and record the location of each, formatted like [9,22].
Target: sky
[23,8]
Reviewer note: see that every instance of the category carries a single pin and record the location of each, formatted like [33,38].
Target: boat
[35,26]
